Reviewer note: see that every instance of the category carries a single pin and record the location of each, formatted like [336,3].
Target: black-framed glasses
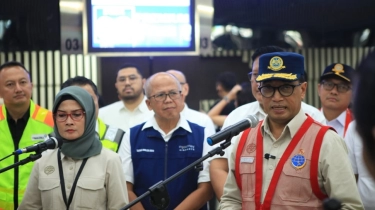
[76,115]
[250,75]
[284,90]
[175,94]
[341,88]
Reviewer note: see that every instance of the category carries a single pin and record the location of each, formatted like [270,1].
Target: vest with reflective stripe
[110,136]
[294,188]
[39,123]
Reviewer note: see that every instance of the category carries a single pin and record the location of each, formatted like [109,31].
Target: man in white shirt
[335,92]
[366,185]
[131,110]
[219,164]
[191,114]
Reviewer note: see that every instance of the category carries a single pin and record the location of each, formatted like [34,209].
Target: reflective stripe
[2,117]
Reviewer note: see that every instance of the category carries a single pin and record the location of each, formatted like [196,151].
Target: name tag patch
[186,148]
[39,137]
[247,160]
[145,150]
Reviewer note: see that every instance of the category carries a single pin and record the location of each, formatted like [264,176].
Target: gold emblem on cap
[49,170]
[338,69]
[276,63]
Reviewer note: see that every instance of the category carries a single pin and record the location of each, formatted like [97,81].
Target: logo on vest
[145,150]
[49,170]
[299,161]
[251,148]
[186,148]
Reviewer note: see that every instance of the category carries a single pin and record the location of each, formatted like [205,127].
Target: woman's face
[70,120]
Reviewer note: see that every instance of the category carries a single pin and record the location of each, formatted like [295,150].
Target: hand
[233,93]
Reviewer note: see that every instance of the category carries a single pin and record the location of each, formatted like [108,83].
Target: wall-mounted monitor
[140,27]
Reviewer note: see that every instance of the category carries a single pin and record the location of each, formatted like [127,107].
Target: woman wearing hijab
[81,174]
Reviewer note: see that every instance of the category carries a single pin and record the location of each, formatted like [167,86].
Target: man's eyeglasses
[162,96]
[341,88]
[76,115]
[284,90]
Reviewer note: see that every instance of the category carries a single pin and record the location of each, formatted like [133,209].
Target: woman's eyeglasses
[76,115]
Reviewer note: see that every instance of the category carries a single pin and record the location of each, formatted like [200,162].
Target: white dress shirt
[255,109]
[338,124]
[199,118]
[117,115]
[366,185]
[125,148]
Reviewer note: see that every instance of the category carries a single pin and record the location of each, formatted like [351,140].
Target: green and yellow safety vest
[110,136]
[14,181]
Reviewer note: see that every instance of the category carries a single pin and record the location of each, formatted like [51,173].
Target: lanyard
[275,178]
[348,119]
[62,181]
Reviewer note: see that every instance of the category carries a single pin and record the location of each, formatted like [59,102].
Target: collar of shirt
[292,126]
[142,107]
[259,111]
[25,117]
[182,122]
[184,110]
[340,119]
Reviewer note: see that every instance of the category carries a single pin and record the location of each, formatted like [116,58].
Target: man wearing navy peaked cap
[289,161]
[335,92]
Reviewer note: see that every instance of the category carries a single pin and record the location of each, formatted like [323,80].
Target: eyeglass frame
[278,89]
[166,95]
[70,115]
[335,85]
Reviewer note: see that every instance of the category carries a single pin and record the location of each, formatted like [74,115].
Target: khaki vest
[294,189]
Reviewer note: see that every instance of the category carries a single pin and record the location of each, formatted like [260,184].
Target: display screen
[140,25]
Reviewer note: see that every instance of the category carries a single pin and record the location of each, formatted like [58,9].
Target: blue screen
[131,24]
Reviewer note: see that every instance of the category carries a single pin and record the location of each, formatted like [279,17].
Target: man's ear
[303,88]
[186,87]
[148,103]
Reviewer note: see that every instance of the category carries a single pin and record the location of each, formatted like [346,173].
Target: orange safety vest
[292,186]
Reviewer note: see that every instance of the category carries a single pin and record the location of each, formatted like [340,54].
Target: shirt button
[71,168]
[275,145]
[270,167]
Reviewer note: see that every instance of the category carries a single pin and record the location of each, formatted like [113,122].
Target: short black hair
[267,49]
[80,81]
[227,79]
[245,96]
[130,65]
[364,102]
[14,64]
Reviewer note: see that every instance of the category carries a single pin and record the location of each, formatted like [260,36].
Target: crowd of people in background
[297,156]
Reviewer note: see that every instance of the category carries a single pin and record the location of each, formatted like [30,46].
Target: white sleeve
[126,159]
[350,139]
[204,175]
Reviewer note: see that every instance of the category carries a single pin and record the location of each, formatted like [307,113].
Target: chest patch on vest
[39,137]
[145,150]
[186,148]
[298,160]
[251,148]
[247,159]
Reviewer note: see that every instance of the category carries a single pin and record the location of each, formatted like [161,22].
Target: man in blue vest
[162,146]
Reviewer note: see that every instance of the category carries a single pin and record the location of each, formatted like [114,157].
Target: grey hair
[150,79]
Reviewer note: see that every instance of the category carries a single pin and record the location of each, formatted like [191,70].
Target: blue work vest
[155,160]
